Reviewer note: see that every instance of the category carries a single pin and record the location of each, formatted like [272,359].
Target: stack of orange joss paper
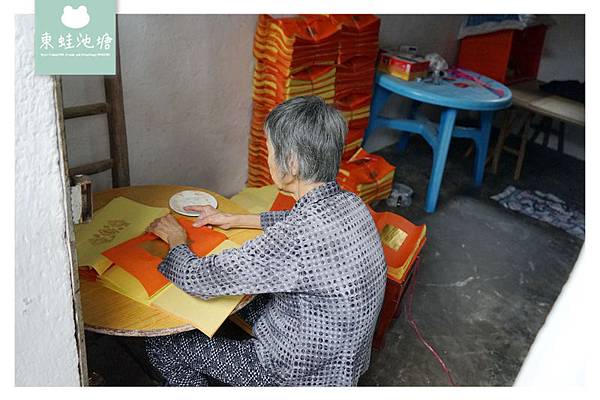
[294,56]
[358,49]
[367,175]
[332,57]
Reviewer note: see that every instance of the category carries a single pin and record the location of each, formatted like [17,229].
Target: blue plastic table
[451,95]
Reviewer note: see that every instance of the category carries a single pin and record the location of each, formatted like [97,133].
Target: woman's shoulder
[349,199]
[349,196]
[341,206]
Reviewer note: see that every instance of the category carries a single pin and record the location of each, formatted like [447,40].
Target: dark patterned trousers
[189,358]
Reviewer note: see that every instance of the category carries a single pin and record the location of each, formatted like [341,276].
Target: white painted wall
[45,337]
[564,49]
[187,83]
[430,33]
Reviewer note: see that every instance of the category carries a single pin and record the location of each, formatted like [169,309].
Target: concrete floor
[487,281]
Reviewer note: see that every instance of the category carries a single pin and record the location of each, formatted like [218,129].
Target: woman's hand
[210,216]
[168,229]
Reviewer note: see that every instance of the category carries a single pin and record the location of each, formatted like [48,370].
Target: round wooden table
[108,312]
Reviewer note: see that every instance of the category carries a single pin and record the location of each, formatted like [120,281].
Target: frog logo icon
[75,18]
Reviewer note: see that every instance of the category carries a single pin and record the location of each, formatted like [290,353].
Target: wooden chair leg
[523,147]
[547,131]
[509,119]
[561,137]
[537,129]
[469,151]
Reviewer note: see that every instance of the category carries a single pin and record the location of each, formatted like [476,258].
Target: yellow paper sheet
[248,201]
[120,220]
[205,315]
[121,281]
[256,200]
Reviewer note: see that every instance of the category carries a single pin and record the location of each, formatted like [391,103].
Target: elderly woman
[321,262]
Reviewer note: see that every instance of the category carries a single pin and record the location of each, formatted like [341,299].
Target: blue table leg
[482,142]
[380,97]
[405,136]
[440,153]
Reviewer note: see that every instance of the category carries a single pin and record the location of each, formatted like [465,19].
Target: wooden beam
[116,122]
[91,168]
[510,117]
[85,110]
[75,289]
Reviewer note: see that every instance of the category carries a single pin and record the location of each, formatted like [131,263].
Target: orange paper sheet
[134,258]
[141,256]
[283,202]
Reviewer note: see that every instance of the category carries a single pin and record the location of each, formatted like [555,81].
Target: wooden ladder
[115,112]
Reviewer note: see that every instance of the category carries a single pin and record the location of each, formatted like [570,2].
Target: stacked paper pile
[367,175]
[357,56]
[114,251]
[401,241]
[329,56]
[294,56]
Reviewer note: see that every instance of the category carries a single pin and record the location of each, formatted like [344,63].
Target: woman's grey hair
[307,130]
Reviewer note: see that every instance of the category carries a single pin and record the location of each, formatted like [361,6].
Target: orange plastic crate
[508,56]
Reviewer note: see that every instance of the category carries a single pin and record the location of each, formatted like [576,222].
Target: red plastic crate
[508,56]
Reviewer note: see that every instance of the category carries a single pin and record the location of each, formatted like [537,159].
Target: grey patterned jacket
[324,264]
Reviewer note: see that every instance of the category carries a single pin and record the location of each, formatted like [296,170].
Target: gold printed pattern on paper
[108,232]
[392,236]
